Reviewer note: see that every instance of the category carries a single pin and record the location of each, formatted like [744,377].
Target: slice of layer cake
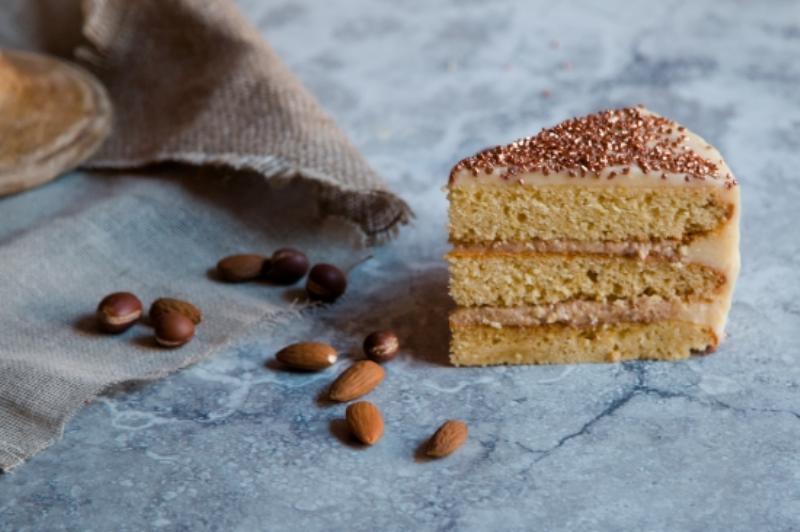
[609,237]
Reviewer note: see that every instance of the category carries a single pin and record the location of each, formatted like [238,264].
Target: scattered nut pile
[173,320]
[364,418]
[174,323]
[325,283]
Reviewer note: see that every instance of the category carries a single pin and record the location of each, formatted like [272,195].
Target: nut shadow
[275,365]
[86,324]
[212,274]
[323,399]
[297,296]
[339,429]
[421,453]
[147,342]
[354,353]
[124,388]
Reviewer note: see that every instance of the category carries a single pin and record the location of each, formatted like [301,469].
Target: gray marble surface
[708,444]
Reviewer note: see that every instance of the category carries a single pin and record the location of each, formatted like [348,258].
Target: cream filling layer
[718,250]
[587,313]
[668,249]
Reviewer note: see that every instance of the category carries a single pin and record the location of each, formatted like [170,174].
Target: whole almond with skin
[307,356]
[357,380]
[365,422]
[166,305]
[240,268]
[450,436]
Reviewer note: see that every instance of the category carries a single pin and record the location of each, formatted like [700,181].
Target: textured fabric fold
[193,82]
[154,237]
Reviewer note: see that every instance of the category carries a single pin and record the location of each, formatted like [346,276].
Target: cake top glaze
[604,145]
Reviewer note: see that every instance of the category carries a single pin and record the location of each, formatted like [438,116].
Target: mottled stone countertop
[708,444]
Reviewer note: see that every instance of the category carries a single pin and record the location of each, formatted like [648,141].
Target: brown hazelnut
[173,330]
[117,312]
[240,268]
[326,283]
[167,305]
[381,346]
[287,266]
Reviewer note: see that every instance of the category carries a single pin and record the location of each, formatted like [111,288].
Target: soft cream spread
[668,249]
[587,313]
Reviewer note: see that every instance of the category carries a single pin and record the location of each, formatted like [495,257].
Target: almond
[239,268]
[308,356]
[357,380]
[448,438]
[168,305]
[365,422]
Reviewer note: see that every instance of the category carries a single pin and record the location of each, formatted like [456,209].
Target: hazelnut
[173,330]
[117,312]
[326,283]
[381,346]
[239,268]
[167,305]
[287,266]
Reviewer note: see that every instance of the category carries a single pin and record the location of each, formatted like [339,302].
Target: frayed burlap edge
[376,211]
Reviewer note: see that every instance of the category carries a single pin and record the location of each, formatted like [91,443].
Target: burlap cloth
[192,82]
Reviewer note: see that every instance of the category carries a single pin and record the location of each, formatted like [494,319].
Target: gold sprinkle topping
[586,146]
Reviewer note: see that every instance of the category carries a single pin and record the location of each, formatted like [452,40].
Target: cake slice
[609,237]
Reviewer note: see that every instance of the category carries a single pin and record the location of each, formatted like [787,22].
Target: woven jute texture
[192,83]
